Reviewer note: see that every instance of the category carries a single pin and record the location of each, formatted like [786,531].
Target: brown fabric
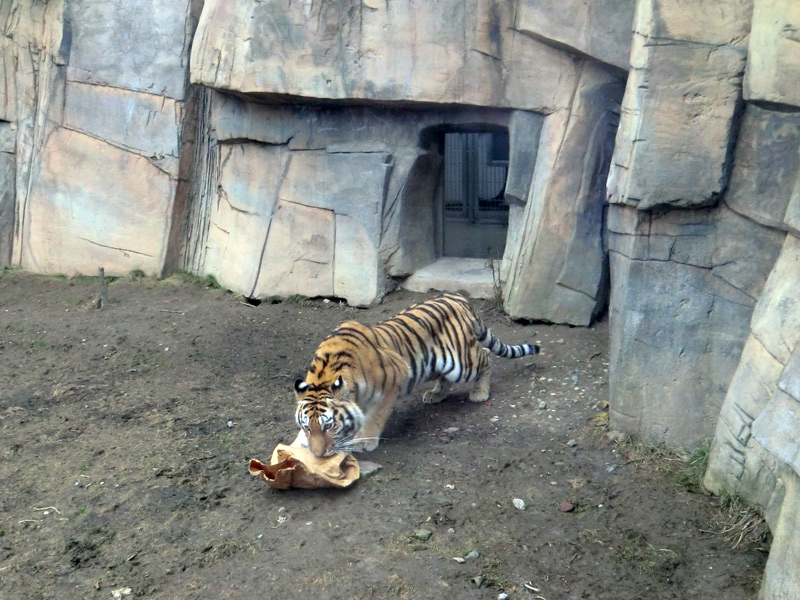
[296,466]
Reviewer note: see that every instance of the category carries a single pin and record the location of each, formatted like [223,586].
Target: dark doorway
[475,216]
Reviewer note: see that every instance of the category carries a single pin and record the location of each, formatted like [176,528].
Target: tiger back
[358,371]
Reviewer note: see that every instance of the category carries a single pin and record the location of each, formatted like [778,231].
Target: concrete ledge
[469,275]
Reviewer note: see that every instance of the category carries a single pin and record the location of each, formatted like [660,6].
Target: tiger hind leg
[480,393]
[437,393]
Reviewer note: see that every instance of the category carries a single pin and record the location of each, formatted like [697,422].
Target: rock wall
[705,253]
[94,94]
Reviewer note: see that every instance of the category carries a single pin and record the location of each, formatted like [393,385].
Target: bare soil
[125,435]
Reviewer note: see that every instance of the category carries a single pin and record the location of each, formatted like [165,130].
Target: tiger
[358,371]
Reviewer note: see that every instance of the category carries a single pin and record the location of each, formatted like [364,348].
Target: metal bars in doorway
[475,169]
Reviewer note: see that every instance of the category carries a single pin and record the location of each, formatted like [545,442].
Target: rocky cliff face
[297,148]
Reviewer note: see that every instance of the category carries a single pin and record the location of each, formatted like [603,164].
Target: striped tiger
[358,371]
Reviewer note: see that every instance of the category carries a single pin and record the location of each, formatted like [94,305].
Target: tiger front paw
[365,446]
[432,397]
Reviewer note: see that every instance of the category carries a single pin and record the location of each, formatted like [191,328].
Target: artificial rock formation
[299,150]
[702,230]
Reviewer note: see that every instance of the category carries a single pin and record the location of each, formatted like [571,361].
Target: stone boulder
[555,263]
[773,59]
[754,453]
[409,51]
[684,285]
[766,165]
[73,224]
[682,96]
[601,28]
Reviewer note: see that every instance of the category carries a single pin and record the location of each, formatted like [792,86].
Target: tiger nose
[317,447]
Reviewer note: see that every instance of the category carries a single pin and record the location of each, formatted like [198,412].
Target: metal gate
[475,214]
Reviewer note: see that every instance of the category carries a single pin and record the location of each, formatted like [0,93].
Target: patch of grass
[298,299]
[40,346]
[695,467]
[644,556]
[137,274]
[740,524]
[5,271]
[208,281]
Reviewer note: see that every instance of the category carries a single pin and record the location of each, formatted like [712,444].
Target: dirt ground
[125,435]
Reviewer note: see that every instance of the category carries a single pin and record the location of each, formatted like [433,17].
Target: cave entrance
[474,214]
[470,218]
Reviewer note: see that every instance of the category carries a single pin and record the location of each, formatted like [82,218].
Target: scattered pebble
[230,424]
[451,530]
[572,443]
[450,430]
[542,404]
[519,504]
[611,468]
[566,506]
[478,581]
[368,468]
[459,560]
[502,596]
[472,555]
[423,534]
[618,437]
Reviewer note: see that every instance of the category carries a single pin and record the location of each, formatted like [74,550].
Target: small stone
[472,555]
[367,468]
[459,560]
[451,530]
[560,341]
[618,437]
[417,546]
[423,534]
[611,468]
[519,504]
[566,506]
[450,430]
[542,404]
[502,596]
[230,424]
[572,443]
[478,581]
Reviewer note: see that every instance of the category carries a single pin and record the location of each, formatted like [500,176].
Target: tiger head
[325,415]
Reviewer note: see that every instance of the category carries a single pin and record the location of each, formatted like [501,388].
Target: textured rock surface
[601,28]
[526,128]
[7,196]
[136,45]
[375,169]
[773,60]
[754,453]
[684,284]
[683,92]
[443,52]
[95,94]
[74,225]
[554,249]
[766,165]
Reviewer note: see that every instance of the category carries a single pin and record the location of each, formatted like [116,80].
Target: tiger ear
[300,386]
